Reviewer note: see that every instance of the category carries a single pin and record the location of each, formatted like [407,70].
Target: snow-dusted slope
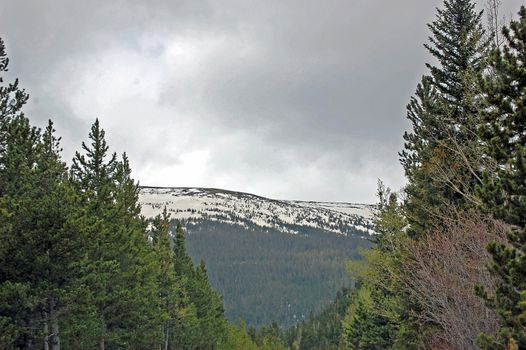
[245,209]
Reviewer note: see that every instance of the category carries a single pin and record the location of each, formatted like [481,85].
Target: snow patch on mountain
[194,204]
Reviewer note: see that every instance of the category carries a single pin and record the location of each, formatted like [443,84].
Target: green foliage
[12,99]
[321,331]
[365,328]
[238,339]
[16,305]
[270,338]
[78,266]
[35,203]
[504,188]
[441,159]
[380,315]
[211,324]
[458,43]
[126,297]
[442,150]
[466,136]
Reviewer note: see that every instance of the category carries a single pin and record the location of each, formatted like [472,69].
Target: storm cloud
[286,99]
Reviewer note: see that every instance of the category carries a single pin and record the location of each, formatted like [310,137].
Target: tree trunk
[55,335]
[102,344]
[55,338]
[46,330]
[166,336]
[28,337]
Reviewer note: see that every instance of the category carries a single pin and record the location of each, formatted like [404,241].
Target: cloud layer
[287,99]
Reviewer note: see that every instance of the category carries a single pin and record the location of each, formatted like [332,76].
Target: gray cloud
[288,99]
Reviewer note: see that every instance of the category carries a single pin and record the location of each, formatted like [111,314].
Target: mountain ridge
[247,193]
[241,208]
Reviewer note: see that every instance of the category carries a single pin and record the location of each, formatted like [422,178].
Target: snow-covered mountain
[197,204]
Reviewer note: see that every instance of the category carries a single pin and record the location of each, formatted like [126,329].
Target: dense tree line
[79,267]
[448,266]
[323,330]
[448,270]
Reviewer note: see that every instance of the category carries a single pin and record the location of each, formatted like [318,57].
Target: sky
[288,99]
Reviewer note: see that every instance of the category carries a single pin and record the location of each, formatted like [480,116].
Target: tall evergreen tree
[56,244]
[94,172]
[212,326]
[160,240]
[209,306]
[37,245]
[120,267]
[182,262]
[504,189]
[180,323]
[443,145]
[17,279]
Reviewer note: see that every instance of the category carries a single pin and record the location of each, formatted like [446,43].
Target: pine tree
[368,330]
[238,339]
[94,173]
[381,314]
[36,204]
[160,240]
[77,269]
[37,246]
[209,306]
[458,43]
[442,149]
[180,324]
[504,189]
[120,269]
[56,246]
[182,262]
[212,326]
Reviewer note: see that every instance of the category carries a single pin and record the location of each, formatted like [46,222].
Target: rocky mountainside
[243,209]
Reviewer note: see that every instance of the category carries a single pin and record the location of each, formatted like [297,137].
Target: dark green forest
[81,269]
[265,275]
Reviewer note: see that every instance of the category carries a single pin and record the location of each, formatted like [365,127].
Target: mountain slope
[270,259]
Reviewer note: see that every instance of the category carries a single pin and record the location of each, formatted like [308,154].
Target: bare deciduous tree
[446,265]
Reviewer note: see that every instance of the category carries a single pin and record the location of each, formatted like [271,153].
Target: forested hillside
[268,275]
[272,260]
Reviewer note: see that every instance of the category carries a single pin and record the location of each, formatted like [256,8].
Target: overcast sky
[290,99]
